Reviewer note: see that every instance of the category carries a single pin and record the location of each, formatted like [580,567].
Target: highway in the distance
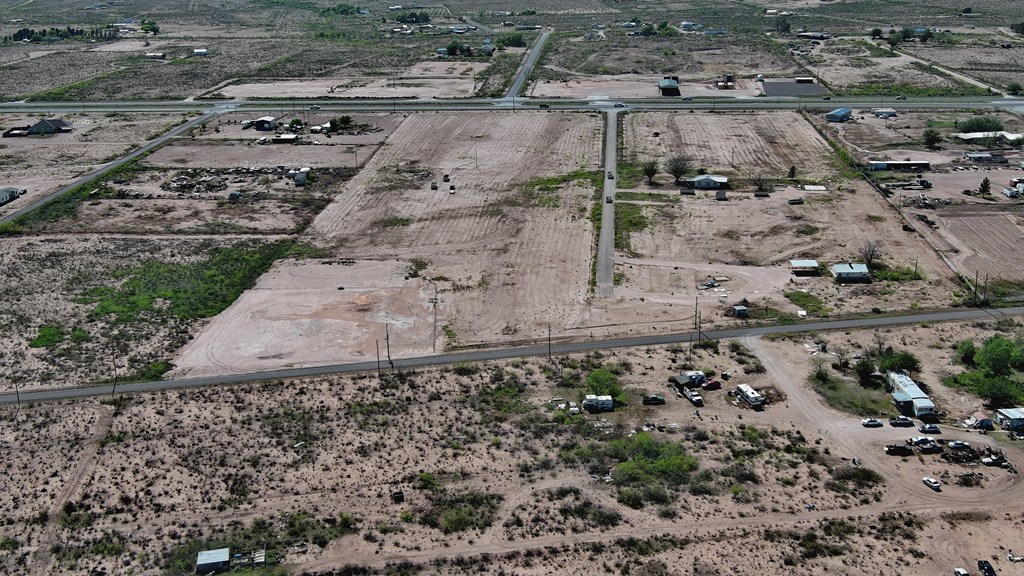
[518,352]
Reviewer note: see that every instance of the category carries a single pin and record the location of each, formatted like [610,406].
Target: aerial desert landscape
[300,287]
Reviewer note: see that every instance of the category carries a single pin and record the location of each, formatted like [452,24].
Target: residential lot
[153,493]
[41,164]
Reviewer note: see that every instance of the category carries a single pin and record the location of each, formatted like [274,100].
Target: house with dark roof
[9,194]
[50,126]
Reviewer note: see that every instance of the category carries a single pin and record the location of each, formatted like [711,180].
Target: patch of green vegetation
[848,397]
[151,372]
[995,371]
[48,336]
[591,513]
[113,439]
[913,90]
[646,467]
[882,271]
[629,218]
[460,512]
[646,197]
[75,516]
[629,173]
[809,302]
[852,478]
[8,544]
[392,222]
[416,267]
[542,191]
[189,290]
[505,395]
[273,535]
[496,79]
[290,425]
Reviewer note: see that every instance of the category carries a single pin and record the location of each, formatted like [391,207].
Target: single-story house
[707,182]
[985,158]
[839,115]
[851,272]
[908,397]
[265,124]
[980,420]
[212,561]
[285,139]
[804,267]
[885,112]
[1009,418]
[50,126]
[669,86]
[9,194]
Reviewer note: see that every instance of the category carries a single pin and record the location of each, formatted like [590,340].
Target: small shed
[851,272]
[213,561]
[669,86]
[285,139]
[1009,418]
[885,112]
[265,124]
[720,196]
[740,311]
[804,267]
[200,52]
[839,115]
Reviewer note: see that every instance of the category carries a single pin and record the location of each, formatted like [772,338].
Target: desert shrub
[980,124]
[48,335]
[459,512]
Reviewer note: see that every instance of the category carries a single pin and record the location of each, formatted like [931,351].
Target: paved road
[525,351]
[606,241]
[43,201]
[528,64]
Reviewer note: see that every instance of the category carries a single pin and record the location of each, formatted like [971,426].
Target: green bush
[48,336]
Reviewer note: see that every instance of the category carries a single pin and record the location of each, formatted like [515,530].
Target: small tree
[986,187]
[864,368]
[876,32]
[760,182]
[649,169]
[931,137]
[870,251]
[1014,88]
[792,173]
[678,166]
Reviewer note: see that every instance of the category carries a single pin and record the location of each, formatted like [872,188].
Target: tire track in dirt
[86,464]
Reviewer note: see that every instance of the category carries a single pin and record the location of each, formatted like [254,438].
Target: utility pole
[380,379]
[434,332]
[550,359]
[387,343]
[17,394]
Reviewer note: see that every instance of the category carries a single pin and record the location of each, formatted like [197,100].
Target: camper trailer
[752,397]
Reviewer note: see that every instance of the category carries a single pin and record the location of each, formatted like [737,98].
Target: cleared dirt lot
[505,263]
[41,164]
[423,80]
[738,145]
[137,478]
[630,87]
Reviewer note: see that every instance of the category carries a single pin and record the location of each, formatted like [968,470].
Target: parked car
[932,483]
[653,400]
[929,429]
[900,421]
[899,450]
[871,423]
[693,395]
[920,440]
[611,175]
[711,385]
[986,568]
[930,448]
[608,200]
[961,572]
[958,445]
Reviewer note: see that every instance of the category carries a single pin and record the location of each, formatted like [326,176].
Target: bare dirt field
[519,484]
[495,249]
[423,80]
[979,239]
[900,137]
[990,63]
[44,163]
[737,145]
[629,87]
[235,154]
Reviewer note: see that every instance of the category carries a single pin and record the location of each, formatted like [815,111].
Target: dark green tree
[649,169]
[998,356]
[931,137]
[966,351]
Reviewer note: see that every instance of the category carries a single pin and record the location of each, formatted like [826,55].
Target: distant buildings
[839,115]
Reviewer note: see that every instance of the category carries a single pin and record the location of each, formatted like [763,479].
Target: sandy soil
[131,46]
[732,144]
[631,87]
[247,154]
[43,164]
[424,80]
[150,486]
[504,268]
